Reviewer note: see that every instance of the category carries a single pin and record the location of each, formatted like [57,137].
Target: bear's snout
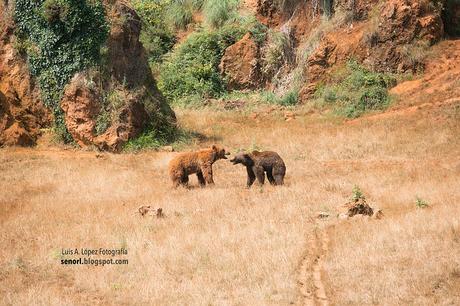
[234,161]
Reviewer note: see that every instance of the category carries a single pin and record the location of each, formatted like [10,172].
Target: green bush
[179,14]
[156,37]
[193,67]
[154,138]
[290,98]
[356,90]
[64,37]
[420,203]
[218,12]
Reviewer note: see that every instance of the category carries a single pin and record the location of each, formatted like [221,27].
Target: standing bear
[199,162]
[259,163]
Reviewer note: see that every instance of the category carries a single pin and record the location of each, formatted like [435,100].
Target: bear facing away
[259,163]
[199,162]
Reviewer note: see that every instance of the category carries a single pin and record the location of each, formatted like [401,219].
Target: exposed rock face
[240,64]
[128,62]
[142,103]
[402,27]
[403,22]
[81,107]
[22,113]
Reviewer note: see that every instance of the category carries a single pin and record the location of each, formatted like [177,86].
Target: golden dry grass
[226,245]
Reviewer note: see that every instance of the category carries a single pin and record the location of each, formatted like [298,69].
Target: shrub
[218,12]
[356,90]
[193,67]
[154,138]
[64,37]
[179,14]
[112,102]
[420,203]
[290,98]
[357,194]
[156,37]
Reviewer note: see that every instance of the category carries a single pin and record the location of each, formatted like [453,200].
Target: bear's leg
[260,174]
[251,176]
[278,173]
[279,179]
[270,177]
[207,173]
[201,180]
[177,177]
[184,179]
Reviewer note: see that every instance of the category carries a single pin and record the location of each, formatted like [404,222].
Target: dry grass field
[226,245]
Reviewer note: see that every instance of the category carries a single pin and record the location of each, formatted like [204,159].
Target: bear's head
[243,158]
[219,152]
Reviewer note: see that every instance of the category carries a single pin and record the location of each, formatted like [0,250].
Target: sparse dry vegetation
[229,245]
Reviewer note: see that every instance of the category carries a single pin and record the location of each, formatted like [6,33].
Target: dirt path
[310,278]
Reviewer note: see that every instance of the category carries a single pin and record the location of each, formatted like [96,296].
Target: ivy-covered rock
[62,37]
[93,77]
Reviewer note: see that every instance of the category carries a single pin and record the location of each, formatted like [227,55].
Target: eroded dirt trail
[310,274]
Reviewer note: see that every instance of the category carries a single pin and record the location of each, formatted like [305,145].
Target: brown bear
[259,163]
[199,162]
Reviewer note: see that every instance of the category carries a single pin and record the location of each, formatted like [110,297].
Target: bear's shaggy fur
[199,162]
[259,163]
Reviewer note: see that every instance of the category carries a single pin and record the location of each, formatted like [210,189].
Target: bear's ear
[214,147]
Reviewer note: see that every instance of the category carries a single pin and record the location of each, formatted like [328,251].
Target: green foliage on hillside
[356,90]
[62,37]
[192,70]
[156,36]
[154,138]
[218,12]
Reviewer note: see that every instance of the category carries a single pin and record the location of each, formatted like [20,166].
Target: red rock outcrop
[22,113]
[403,22]
[240,64]
[142,103]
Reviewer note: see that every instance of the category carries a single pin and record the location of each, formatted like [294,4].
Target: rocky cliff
[385,36]
[103,106]
[22,113]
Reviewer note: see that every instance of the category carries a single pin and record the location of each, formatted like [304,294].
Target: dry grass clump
[226,244]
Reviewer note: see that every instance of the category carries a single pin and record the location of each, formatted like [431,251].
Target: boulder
[130,77]
[240,64]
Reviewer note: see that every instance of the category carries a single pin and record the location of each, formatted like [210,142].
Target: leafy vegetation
[179,13]
[192,70]
[154,138]
[357,194]
[356,90]
[290,98]
[112,101]
[60,38]
[420,203]
[156,36]
[218,12]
